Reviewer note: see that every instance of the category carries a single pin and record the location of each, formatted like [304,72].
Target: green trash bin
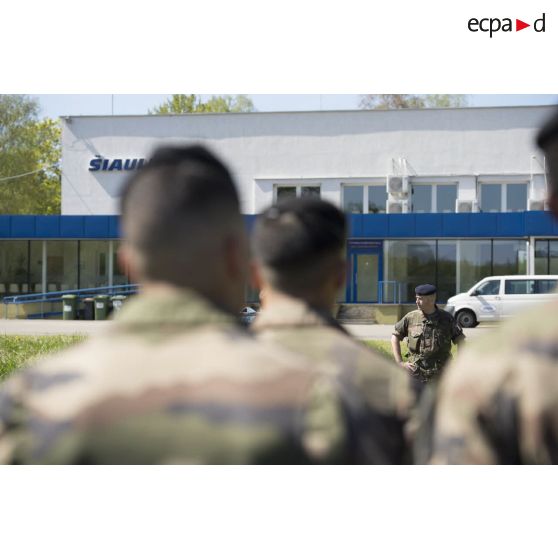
[117,302]
[69,307]
[101,307]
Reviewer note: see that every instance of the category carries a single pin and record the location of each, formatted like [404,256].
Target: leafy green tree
[29,158]
[393,101]
[180,104]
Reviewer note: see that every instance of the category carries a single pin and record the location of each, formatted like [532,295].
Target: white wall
[307,147]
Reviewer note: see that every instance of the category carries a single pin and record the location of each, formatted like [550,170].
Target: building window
[364,199]
[446,269]
[446,196]
[490,198]
[453,265]
[93,263]
[516,197]
[353,199]
[475,262]
[546,257]
[121,276]
[14,267]
[284,192]
[503,197]
[377,199]
[421,199]
[433,198]
[410,263]
[62,268]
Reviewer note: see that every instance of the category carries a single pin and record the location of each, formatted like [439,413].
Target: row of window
[423,198]
[454,266]
[28,266]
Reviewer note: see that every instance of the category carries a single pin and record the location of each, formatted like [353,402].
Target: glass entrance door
[365,272]
[366,277]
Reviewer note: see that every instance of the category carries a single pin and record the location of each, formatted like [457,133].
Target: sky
[54,106]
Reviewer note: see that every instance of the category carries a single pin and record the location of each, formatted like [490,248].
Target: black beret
[423,290]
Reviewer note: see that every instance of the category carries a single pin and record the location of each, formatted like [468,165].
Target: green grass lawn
[17,350]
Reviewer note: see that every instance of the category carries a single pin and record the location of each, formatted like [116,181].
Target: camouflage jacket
[429,340]
[175,380]
[498,402]
[378,395]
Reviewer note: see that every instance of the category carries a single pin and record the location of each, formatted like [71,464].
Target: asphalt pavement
[83,327]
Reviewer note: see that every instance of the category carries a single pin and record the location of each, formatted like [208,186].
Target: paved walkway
[50,327]
[83,327]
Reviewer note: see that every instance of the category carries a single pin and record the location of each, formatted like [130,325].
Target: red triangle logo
[519,25]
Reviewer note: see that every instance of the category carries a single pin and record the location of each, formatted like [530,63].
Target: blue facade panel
[483,224]
[400,225]
[23,226]
[377,227]
[5,223]
[455,224]
[354,225]
[47,226]
[381,226]
[428,224]
[114,226]
[96,226]
[249,222]
[510,224]
[71,226]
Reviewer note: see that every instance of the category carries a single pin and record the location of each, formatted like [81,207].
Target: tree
[29,158]
[180,104]
[379,102]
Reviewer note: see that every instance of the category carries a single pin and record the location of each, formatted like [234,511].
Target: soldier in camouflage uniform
[430,332]
[498,403]
[300,266]
[176,379]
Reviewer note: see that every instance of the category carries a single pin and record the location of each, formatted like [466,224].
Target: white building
[456,153]
[444,196]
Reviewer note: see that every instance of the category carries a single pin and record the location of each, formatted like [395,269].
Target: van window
[543,286]
[519,286]
[489,288]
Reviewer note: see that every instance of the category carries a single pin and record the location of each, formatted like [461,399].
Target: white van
[494,298]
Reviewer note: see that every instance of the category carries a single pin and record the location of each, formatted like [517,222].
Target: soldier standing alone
[430,332]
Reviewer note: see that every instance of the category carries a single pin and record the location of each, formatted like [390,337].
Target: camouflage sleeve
[475,421]
[401,328]
[28,433]
[324,434]
[12,416]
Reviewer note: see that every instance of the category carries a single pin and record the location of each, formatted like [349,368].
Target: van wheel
[466,318]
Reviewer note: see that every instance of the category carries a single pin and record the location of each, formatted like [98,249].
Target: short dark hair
[296,240]
[549,132]
[179,198]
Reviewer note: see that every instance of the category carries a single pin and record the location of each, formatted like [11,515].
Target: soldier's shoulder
[445,313]
[445,316]
[522,351]
[413,316]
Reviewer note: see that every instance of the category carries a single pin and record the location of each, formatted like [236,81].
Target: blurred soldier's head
[299,250]
[182,226]
[548,142]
